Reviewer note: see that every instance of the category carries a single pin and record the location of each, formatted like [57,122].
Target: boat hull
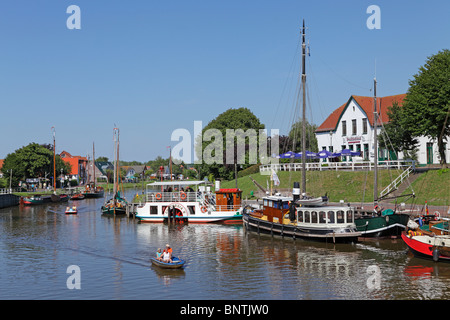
[423,246]
[189,212]
[90,195]
[384,226]
[258,225]
[176,264]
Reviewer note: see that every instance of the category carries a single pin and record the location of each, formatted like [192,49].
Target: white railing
[321,166]
[155,196]
[8,190]
[398,181]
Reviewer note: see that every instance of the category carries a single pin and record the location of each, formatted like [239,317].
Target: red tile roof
[366,103]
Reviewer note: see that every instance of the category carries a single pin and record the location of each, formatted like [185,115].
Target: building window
[354,127]
[344,128]
[364,123]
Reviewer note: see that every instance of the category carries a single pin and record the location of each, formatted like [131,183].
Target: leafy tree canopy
[427,103]
[32,161]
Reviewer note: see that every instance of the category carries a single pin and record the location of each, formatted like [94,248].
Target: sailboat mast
[93,161]
[304,110]
[54,160]
[118,163]
[115,151]
[375,143]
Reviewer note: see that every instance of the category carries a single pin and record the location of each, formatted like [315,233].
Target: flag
[275,179]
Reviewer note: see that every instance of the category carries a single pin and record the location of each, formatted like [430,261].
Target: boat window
[270,203]
[275,204]
[331,216]
[349,216]
[153,209]
[285,205]
[300,216]
[265,202]
[340,216]
[307,217]
[191,210]
[314,217]
[322,217]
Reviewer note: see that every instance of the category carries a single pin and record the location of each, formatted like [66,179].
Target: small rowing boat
[177,263]
[71,210]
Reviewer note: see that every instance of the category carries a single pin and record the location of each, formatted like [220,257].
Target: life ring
[158,196]
[183,195]
[437,215]
[204,209]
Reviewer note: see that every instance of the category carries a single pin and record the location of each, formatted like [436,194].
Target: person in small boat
[159,254]
[167,257]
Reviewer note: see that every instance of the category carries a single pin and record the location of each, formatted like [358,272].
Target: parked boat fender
[158,196]
[436,255]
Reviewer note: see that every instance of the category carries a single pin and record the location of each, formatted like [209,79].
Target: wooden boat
[117,204]
[94,192]
[303,217]
[436,247]
[280,216]
[77,196]
[177,263]
[71,210]
[36,199]
[387,224]
[59,198]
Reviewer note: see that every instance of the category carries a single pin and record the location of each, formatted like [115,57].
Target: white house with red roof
[351,126]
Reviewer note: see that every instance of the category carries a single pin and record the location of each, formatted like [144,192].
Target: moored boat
[36,199]
[190,201]
[387,223]
[77,196]
[176,263]
[93,192]
[283,217]
[436,247]
[117,204]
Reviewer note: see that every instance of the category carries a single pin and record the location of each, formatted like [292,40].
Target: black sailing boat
[117,204]
[91,190]
[298,216]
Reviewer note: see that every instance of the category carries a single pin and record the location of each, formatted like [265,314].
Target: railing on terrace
[177,196]
[321,166]
[228,208]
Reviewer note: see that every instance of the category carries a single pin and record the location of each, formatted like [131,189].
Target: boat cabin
[228,199]
[275,208]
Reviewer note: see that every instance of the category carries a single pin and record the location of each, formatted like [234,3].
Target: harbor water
[40,245]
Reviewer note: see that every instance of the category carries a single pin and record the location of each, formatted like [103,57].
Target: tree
[427,104]
[32,161]
[295,137]
[224,164]
[395,135]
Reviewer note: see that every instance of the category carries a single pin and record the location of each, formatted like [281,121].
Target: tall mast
[93,161]
[375,143]
[54,160]
[118,164]
[115,164]
[304,110]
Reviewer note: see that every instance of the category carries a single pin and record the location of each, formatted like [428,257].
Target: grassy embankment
[433,186]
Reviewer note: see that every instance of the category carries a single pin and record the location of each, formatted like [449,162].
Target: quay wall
[8,200]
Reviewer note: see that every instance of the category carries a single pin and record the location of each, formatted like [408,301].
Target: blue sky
[150,67]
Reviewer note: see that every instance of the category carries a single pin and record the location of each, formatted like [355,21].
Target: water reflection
[223,262]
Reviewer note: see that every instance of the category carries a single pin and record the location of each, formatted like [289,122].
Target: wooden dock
[131,210]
